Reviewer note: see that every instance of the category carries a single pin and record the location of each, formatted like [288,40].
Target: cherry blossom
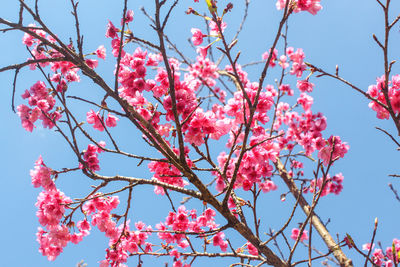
[296,233]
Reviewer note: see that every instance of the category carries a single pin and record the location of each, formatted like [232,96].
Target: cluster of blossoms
[51,204]
[41,104]
[388,258]
[376,91]
[254,168]
[98,121]
[332,150]
[197,36]
[312,6]
[122,240]
[136,83]
[91,156]
[329,185]
[188,221]
[42,100]
[167,173]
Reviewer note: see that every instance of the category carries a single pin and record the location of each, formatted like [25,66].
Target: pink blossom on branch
[197,37]
[312,6]
[305,86]
[111,120]
[393,92]
[277,130]
[333,150]
[128,17]
[91,158]
[95,119]
[202,51]
[111,30]
[274,55]
[41,175]
[296,233]
[214,30]
[101,52]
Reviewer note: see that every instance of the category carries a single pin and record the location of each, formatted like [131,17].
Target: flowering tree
[220,141]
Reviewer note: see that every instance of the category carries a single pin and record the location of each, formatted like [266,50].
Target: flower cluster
[41,175]
[376,91]
[42,100]
[41,104]
[312,6]
[167,173]
[333,149]
[91,156]
[254,150]
[98,122]
[188,221]
[122,240]
[297,69]
[327,185]
[387,258]
[51,204]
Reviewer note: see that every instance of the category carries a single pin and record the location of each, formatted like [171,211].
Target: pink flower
[305,86]
[53,241]
[95,119]
[283,62]
[115,43]
[202,50]
[218,240]
[197,37]
[312,6]
[252,249]
[296,232]
[333,150]
[267,186]
[91,158]
[104,263]
[28,39]
[368,246]
[214,30]
[128,17]
[92,63]
[111,30]
[306,101]
[111,120]
[51,207]
[101,52]
[273,57]
[286,88]
[174,253]
[41,175]
[83,225]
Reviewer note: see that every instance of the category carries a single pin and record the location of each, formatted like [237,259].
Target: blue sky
[340,34]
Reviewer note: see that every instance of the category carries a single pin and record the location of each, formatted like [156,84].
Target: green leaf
[211,6]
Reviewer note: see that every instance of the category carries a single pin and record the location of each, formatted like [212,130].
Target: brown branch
[394,190]
[143,181]
[318,225]
[79,38]
[388,134]
[29,62]
[14,89]
[201,254]
[372,241]
[324,73]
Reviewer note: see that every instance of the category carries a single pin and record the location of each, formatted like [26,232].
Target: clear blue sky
[340,34]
